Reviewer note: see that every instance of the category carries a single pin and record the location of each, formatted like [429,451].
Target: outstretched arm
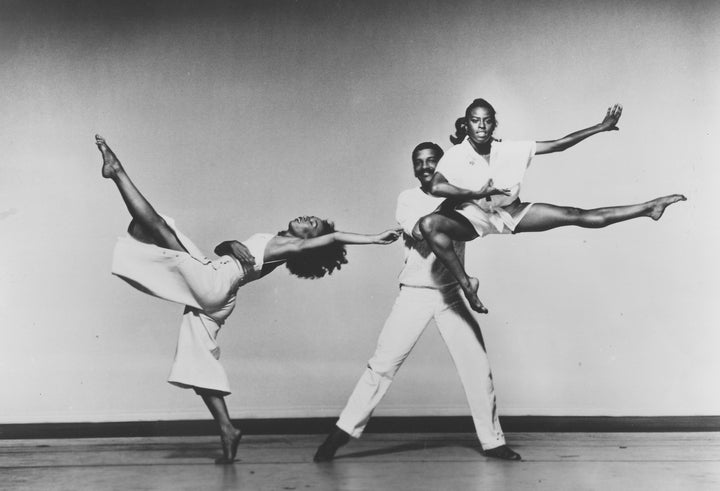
[442,188]
[286,248]
[281,248]
[609,123]
[387,237]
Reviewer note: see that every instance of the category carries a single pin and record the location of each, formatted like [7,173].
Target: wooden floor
[377,462]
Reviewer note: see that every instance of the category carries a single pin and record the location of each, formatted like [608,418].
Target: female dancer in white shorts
[159,260]
[481,178]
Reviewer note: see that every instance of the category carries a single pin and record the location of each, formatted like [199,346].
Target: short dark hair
[427,146]
[461,123]
[318,262]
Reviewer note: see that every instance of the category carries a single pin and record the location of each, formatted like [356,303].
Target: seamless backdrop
[235,117]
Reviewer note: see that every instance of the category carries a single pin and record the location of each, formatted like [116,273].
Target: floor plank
[552,461]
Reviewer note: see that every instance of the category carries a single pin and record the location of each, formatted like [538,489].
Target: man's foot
[657,206]
[472,297]
[111,165]
[230,441]
[502,452]
[336,439]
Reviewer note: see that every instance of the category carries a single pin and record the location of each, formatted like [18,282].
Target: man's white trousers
[412,312]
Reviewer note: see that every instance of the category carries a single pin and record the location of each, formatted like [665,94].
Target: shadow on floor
[410,447]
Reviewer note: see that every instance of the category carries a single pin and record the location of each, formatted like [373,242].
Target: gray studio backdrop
[236,117]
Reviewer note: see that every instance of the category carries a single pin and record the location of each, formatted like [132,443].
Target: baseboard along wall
[380,424]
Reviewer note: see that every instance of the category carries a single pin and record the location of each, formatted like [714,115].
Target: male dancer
[427,291]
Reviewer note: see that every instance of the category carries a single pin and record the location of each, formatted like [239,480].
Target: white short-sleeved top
[422,269]
[463,167]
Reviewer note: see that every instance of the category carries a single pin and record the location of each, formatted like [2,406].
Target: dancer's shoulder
[514,144]
[409,193]
[415,195]
[458,150]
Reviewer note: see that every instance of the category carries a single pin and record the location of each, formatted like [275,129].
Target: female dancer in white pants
[482,177]
[159,260]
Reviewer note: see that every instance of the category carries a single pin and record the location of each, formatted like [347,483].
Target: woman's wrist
[600,127]
[480,194]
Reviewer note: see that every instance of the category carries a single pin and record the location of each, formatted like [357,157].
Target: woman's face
[481,125]
[306,227]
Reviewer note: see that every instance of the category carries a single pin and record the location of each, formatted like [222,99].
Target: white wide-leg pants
[412,312]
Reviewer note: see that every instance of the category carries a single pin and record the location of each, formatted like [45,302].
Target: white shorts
[502,220]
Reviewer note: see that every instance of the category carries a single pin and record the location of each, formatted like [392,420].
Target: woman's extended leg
[229,435]
[542,216]
[150,224]
[440,229]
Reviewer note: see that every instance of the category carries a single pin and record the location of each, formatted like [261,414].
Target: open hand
[389,236]
[609,123]
[504,191]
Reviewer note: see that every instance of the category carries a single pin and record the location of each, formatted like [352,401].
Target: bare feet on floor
[472,297]
[502,452]
[230,440]
[111,165]
[658,205]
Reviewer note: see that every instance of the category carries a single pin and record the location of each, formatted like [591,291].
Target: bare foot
[472,297]
[658,205]
[111,164]
[230,442]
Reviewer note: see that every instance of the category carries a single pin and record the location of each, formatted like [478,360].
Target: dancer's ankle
[336,439]
[472,297]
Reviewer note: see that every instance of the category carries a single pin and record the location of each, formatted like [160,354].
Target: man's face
[424,163]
